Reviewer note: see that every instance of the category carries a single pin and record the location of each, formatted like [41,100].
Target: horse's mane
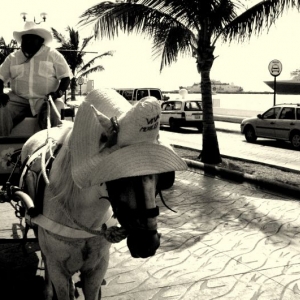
[61,181]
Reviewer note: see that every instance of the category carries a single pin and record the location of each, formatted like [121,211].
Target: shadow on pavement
[19,272]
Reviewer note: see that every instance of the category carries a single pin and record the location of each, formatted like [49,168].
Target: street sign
[275,67]
[80,81]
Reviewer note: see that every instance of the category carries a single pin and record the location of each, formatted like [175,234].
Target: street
[234,144]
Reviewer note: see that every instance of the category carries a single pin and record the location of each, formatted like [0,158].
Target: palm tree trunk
[210,147]
[73,88]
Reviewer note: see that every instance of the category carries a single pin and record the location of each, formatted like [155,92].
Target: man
[34,72]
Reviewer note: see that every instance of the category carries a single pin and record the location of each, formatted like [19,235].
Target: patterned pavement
[226,241]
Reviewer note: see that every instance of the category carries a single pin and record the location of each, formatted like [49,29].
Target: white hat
[33,28]
[134,151]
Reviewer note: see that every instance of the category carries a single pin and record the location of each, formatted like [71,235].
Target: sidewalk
[226,241]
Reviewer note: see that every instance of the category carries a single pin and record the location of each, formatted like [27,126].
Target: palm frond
[58,36]
[257,18]
[86,42]
[170,42]
[93,60]
[91,70]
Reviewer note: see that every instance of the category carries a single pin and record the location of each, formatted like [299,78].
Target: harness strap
[150,212]
[29,161]
[66,231]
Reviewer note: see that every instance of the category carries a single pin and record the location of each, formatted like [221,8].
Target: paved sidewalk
[226,241]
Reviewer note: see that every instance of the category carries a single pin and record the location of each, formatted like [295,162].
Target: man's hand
[56,94]
[4,98]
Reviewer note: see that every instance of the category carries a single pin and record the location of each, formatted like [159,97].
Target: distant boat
[289,86]
[216,87]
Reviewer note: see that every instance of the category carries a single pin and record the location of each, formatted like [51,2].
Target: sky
[133,64]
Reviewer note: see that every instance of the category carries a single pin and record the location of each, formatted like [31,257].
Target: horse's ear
[103,120]
[109,137]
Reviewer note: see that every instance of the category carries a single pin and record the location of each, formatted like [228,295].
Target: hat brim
[134,160]
[43,33]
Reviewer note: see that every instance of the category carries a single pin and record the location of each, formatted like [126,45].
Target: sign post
[275,68]
[80,81]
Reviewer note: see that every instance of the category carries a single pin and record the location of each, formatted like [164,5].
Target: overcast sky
[133,64]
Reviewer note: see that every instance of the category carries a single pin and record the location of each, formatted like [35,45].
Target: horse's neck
[88,206]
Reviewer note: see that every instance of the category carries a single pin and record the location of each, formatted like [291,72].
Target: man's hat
[112,139]
[33,28]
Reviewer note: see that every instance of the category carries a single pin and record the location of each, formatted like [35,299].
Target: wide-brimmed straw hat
[137,149]
[33,28]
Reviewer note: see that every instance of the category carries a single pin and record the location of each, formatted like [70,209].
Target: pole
[274,90]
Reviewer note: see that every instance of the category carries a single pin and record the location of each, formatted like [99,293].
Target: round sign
[80,80]
[275,67]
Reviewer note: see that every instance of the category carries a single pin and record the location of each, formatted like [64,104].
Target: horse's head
[116,143]
[134,205]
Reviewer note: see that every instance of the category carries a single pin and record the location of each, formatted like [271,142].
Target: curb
[263,184]
[242,159]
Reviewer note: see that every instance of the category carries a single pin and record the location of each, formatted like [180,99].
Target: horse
[101,177]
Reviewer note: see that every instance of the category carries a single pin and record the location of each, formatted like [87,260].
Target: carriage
[10,146]
[98,179]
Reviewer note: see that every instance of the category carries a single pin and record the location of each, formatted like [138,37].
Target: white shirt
[34,79]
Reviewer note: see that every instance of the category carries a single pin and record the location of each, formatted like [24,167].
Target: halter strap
[150,212]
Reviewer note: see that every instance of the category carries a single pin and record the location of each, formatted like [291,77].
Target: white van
[136,94]
[182,113]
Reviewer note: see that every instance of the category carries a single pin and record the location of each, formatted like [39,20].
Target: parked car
[280,122]
[182,113]
[135,94]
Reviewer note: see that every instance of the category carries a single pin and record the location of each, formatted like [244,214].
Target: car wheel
[200,127]
[173,124]
[295,140]
[250,134]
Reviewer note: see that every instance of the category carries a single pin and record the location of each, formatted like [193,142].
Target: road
[234,144]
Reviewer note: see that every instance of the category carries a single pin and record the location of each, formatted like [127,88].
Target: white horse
[107,168]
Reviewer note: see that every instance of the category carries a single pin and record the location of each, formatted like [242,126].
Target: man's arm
[3,97]
[63,86]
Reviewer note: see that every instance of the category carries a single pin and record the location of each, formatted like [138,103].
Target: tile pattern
[226,241]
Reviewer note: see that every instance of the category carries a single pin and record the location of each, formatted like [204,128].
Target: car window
[156,94]
[287,113]
[141,94]
[127,94]
[192,106]
[298,113]
[271,113]
[177,105]
[168,106]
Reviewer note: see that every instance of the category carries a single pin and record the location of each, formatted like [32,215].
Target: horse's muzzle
[143,244]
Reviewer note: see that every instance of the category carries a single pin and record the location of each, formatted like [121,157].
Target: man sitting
[34,71]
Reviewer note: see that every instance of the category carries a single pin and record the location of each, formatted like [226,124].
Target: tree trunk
[210,147]
[73,88]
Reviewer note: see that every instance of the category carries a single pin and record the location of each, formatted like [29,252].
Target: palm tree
[6,49]
[74,54]
[188,27]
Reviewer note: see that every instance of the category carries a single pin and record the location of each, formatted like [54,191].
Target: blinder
[165,180]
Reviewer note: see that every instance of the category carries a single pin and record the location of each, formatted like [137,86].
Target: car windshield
[193,106]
